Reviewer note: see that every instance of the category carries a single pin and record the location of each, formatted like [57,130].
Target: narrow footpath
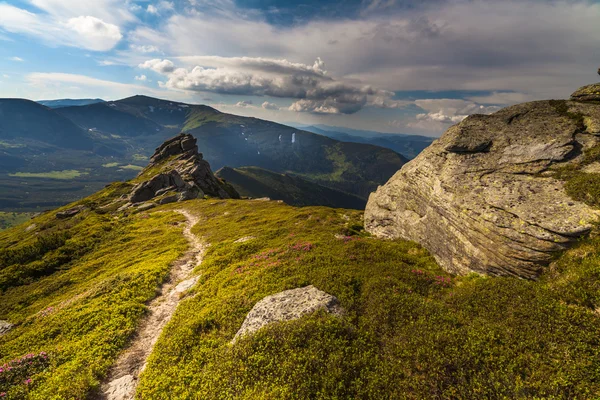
[123,378]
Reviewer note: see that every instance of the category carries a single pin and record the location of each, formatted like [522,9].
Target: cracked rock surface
[481,199]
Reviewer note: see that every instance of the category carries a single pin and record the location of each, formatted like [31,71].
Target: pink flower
[3,394]
[28,381]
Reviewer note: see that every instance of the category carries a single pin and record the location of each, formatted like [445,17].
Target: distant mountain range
[68,102]
[52,155]
[407,145]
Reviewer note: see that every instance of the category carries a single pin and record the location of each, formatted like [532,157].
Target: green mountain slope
[258,182]
[77,290]
[115,138]
[24,120]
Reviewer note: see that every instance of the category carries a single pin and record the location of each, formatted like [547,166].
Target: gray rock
[146,206]
[168,199]
[188,174]
[5,327]
[286,306]
[587,93]
[193,192]
[480,198]
[71,212]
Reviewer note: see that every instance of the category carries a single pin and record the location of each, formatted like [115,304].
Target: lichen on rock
[483,197]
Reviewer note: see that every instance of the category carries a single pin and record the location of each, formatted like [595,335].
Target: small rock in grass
[71,212]
[286,306]
[244,239]
[146,206]
[5,326]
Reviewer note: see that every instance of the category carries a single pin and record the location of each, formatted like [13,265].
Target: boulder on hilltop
[486,197]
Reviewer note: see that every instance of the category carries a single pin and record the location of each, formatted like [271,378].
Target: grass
[63,175]
[76,290]
[410,330]
[139,157]
[8,219]
[132,167]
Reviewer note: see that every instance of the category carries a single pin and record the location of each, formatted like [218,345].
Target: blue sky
[390,65]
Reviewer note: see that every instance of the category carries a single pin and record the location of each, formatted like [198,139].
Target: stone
[168,199]
[185,172]
[71,212]
[483,199]
[245,239]
[5,327]
[146,206]
[287,306]
[587,93]
[193,192]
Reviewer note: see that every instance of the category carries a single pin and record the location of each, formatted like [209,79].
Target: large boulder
[483,198]
[286,306]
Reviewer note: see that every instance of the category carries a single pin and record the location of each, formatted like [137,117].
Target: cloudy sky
[408,66]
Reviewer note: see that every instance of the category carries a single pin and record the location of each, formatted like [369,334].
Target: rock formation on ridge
[182,174]
[484,197]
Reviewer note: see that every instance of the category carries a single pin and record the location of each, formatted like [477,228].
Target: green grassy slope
[77,289]
[258,182]
[410,331]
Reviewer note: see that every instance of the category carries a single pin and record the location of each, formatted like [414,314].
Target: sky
[399,66]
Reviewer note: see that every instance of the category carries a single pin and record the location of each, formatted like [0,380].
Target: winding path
[123,378]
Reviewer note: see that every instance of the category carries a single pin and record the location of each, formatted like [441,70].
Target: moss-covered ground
[77,289]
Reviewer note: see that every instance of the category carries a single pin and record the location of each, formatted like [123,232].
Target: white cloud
[107,63]
[160,7]
[60,85]
[141,78]
[269,106]
[504,98]
[17,59]
[441,113]
[111,11]
[144,49]
[94,33]
[161,66]
[544,49]
[83,31]
[244,103]
[316,91]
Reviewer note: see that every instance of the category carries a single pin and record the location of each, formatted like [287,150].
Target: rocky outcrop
[5,327]
[587,93]
[71,212]
[286,306]
[184,175]
[483,198]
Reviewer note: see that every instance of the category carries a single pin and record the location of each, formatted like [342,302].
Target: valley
[71,151]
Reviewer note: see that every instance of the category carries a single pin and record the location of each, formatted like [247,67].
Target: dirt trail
[123,377]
